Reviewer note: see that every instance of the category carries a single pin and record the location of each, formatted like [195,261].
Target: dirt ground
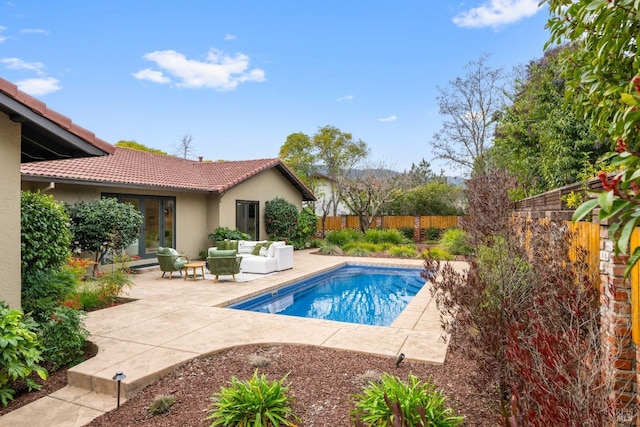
[322,382]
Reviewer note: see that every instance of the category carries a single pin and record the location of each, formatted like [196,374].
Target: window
[158,228]
[248,218]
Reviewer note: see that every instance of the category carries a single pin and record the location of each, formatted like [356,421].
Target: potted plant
[225,233]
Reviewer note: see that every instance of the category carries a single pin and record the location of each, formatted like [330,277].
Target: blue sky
[239,76]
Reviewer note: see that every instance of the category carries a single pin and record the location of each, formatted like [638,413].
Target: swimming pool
[368,295]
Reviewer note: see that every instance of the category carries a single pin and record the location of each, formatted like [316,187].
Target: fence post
[416,229]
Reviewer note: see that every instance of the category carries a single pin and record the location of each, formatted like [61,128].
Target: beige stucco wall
[10,211]
[197,214]
[263,187]
[191,210]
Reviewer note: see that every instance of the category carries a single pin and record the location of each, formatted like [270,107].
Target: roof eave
[100,183]
[21,113]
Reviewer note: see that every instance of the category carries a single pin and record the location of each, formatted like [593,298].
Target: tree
[298,154]
[470,105]
[325,156]
[367,192]
[185,148]
[437,197]
[540,139]
[338,152]
[420,174]
[133,145]
[603,80]
[104,225]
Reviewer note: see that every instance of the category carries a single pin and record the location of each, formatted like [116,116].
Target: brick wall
[620,374]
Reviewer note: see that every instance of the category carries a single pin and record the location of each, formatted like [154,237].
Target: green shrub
[366,246]
[404,251]
[225,233]
[161,404]
[45,236]
[358,251]
[256,402]
[89,296]
[307,227]
[391,236]
[407,232]
[20,350]
[373,235]
[315,243]
[281,219]
[437,253]
[454,241]
[43,290]
[113,284]
[433,234]
[393,402]
[395,237]
[329,249]
[64,337]
[342,237]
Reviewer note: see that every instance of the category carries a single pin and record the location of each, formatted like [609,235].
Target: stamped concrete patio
[173,321]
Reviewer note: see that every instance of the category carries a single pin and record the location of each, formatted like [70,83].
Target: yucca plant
[256,402]
[391,402]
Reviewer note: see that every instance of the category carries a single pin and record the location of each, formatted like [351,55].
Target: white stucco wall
[10,211]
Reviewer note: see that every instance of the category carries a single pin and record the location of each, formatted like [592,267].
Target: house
[30,132]
[181,200]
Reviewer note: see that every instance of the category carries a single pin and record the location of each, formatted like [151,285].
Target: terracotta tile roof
[138,168]
[60,120]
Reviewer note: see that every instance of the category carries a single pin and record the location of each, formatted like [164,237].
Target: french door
[158,228]
[248,218]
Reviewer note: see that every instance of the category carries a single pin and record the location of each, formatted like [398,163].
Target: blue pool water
[352,293]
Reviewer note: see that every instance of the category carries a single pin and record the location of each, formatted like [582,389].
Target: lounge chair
[170,260]
[223,263]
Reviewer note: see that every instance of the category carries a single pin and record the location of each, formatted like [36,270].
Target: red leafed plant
[528,313]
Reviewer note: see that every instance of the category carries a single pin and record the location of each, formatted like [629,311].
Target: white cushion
[272,248]
[257,264]
[263,251]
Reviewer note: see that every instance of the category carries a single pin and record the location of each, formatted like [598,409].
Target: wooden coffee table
[195,265]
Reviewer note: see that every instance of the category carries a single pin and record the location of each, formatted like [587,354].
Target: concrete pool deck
[173,321]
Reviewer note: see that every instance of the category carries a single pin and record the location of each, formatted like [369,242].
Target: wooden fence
[587,235]
[418,223]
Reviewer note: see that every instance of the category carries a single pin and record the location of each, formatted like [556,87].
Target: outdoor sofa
[264,257]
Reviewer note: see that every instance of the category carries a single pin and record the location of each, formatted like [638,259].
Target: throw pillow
[263,251]
[256,249]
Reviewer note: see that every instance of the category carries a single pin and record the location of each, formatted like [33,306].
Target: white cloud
[388,119]
[19,64]
[152,76]
[497,13]
[41,86]
[217,71]
[2,38]
[347,98]
[229,37]
[34,31]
